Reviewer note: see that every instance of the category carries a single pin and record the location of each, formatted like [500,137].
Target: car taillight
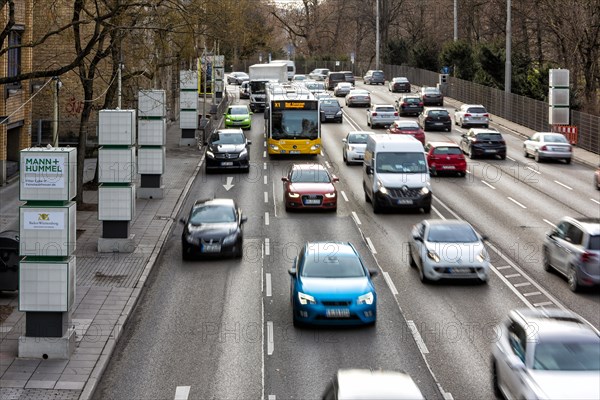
[405,104]
[467,115]
[374,114]
[395,114]
[587,257]
[420,103]
[486,115]
[501,142]
[569,149]
[543,148]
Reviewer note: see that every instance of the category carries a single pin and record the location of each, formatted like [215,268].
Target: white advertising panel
[116,203]
[151,103]
[48,174]
[48,230]
[47,286]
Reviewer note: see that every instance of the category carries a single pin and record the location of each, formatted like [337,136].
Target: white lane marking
[522,284]
[182,392]
[371,247]
[265,143]
[595,201]
[274,202]
[534,170]
[344,195]
[264,165]
[266,197]
[270,344]
[516,202]
[512,276]
[468,172]
[322,154]
[265,179]
[488,185]
[549,223]
[327,164]
[503,267]
[510,158]
[266,218]
[268,284]
[272,397]
[437,212]
[532,294]
[543,304]
[267,246]
[390,283]
[563,185]
[355,217]
[415,332]
[265,154]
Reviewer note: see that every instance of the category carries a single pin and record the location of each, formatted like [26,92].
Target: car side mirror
[344,140]
[244,219]
[418,238]
[369,170]
[484,237]
[292,271]
[373,273]
[250,113]
[183,220]
[335,179]
[285,179]
[249,141]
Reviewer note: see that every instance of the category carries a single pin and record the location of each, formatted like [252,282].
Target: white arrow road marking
[182,392]
[228,185]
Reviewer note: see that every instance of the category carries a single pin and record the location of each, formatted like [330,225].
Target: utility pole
[455,20]
[508,66]
[119,90]
[377,37]
[55,88]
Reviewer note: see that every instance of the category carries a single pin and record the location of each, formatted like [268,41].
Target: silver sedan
[547,145]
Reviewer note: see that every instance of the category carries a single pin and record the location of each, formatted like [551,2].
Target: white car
[319,74]
[448,249]
[355,144]
[472,115]
[548,145]
[381,115]
[546,353]
[359,384]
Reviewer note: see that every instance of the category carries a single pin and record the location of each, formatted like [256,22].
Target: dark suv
[478,142]
[227,149]
[573,249]
[333,78]
[374,77]
[348,76]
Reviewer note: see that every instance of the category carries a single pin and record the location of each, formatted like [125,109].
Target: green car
[238,116]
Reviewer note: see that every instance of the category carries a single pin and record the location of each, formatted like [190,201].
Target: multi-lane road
[223,329]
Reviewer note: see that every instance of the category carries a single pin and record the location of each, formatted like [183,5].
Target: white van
[364,384]
[395,173]
[291,67]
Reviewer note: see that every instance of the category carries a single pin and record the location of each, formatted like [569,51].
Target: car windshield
[438,113]
[315,86]
[407,126]
[567,356]
[384,108]
[411,100]
[496,137]
[554,139]
[330,103]
[237,110]
[400,80]
[359,93]
[358,138]
[332,266]
[476,110]
[447,150]
[309,175]
[431,91]
[451,234]
[227,138]
[377,73]
[401,163]
[344,85]
[211,214]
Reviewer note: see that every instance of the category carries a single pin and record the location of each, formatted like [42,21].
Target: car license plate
[412,105]
[459,271]
[439,123]
[338,313]
[404,201]
[294,151]
[227,163]
[359,157]
[447,166]
[490,151]
[211,248]
[312,201]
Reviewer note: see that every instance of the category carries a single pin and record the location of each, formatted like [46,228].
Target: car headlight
[275,147]
[210,154]
[293,195]
[243,153]
[350,148]
[191,239]
[330,195]
[228,119]
[339,113]
[425,190]
[381,188]
[482,256]
[315,147]
[366,299]
[305,299]
[230,239]
[433,256]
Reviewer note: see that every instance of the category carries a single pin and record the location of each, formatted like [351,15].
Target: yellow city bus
[292,122]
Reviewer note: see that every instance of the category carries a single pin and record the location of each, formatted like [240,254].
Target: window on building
[14,54]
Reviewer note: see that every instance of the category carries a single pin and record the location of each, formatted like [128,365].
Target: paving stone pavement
[108,286]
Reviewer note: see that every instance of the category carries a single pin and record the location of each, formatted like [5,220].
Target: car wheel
[572,279]
[471,155]
[411,260]
[568,160]
[345,157]
[462,124]
[449,129]
[376,205]
[367,198]
[503,156]
[298,324]
[433,171]
[185,254]
[486,126]
[537,157]
[368,123]
[240,250]
[422,276]
[427,209]
[462,174]
[525,153]
[546,261]
[495,383]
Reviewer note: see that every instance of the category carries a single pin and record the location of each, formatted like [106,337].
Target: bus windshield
[295,124]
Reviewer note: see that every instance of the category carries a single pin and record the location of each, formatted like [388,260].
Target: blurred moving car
[309,186]
[409,105]
[470,115]
[381,115]
[299,78]
[349,76]
[353,384]
[319,74]
[342,89]
[546,353]
[236,78]
[332,285]
[435,118]
[315,87]
[431,96]
[227,149]
[407,127]
[374,77]
[358,97]
[399,84]
[238,115]
[448,249]
[330,110]
[573,249]
[355,144]
[548,145]
[245,90]
[213,228]
[597,178]
[479,142]
[445,157]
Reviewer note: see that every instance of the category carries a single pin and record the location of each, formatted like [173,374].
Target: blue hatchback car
[332,286]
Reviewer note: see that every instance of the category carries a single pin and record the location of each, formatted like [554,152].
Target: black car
[213,228]
[330,110]
[435,118]
[483,143]
[409,105]
[399,84]
[431,96]
[227,149]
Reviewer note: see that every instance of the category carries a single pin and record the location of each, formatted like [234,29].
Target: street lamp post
[508,66]
[377,35]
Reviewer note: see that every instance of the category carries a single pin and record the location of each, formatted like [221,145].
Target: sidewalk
[108,287]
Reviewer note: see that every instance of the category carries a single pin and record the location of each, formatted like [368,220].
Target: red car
[407,127]
[445,157]
[309,186]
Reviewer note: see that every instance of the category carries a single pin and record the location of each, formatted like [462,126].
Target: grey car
[546,353]
[548,145]
[573,249]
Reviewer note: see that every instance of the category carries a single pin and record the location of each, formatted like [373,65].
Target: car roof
[472,105]
[400,78]
[477,131]
[406,122]
[435,109]
[361,132]
[446,222]
[382,105]
[359,91]
[379,384]
[340,249]
[443,144]
[555,324]
[230,130]
[238,106]
[308,166]
[217,201]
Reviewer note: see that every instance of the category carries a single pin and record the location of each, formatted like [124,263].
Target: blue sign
[445,69]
